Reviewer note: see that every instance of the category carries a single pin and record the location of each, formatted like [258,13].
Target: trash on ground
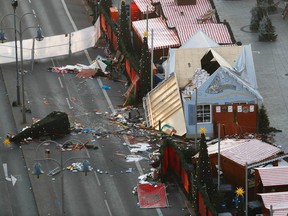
[99,171]
[78,166]
[96,64]
[129,170]
[71,146]
[105,87]
[54,171]
[133,158]
[139,147]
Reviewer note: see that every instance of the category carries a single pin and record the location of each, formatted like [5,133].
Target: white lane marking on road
[69,15]
[106,96]
[13,179]
[60,81]
[106,203]
[5,168]
[159,212]
[52,60]
[68,102]
[98,180]
[99,183]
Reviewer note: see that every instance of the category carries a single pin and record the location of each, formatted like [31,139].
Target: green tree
[269,5]
[144,83]
[195,191]
[124,38]
[263,121]
[203,170]
[257,14]
[106,4]
[266,30]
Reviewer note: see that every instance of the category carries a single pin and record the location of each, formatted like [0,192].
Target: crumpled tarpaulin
[96,64]
[55,124]
[152,196]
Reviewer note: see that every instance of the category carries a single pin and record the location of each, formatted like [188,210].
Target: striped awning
[278,201]
[184,19]
[184,14]
[163,37]
[143,4]
[273,176]
[216,31]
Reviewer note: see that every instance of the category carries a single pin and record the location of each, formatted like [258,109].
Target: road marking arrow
[13,179]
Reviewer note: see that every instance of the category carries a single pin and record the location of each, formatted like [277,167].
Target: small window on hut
[203,113]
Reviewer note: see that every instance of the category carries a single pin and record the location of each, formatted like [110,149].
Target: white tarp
[199,40]
[57,45]
[244,66]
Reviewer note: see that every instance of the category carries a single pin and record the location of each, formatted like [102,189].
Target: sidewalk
[270,60]
[10,83]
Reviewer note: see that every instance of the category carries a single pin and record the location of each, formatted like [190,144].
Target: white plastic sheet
[53,46]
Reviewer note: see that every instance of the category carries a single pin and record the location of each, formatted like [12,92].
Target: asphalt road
[109,193]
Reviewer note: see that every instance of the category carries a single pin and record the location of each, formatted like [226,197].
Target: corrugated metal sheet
[279,202]
[273,176]
[164,104]
[162,36]
[250,152]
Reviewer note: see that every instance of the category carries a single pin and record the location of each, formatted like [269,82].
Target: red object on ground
[152,196]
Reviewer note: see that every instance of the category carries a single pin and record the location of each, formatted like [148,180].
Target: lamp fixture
[2,37]
[40,35]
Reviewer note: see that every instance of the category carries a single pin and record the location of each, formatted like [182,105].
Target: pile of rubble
[78,167]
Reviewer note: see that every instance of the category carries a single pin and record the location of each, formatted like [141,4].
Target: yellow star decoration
[145,34]
[239,191]
[202,130]
[6,142]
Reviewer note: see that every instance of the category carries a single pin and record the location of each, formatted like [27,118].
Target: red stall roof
[162,36]
[250,152]
[216,31]
[184,19]
[185,14]
[142,5]
[273,176]
[278,200]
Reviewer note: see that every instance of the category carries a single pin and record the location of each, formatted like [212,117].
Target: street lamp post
[39,37]
[14,4]
[38,170]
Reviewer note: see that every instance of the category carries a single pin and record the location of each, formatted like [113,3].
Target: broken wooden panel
[163,104]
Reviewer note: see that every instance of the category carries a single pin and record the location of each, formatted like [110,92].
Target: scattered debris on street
[78,167]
